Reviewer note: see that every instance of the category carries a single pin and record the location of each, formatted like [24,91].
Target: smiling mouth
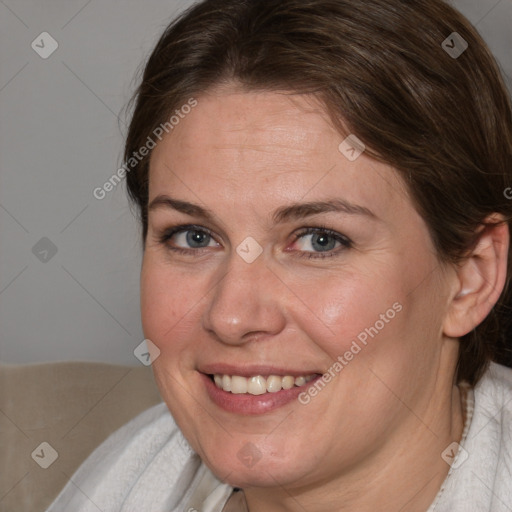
[258,384]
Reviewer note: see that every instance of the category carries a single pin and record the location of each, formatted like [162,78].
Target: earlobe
[479,280]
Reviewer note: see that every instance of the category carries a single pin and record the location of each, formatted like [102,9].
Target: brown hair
[380,70]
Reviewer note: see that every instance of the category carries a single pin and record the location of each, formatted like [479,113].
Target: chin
[243,469]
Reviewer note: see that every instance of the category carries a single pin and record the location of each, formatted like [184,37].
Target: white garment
[147,465]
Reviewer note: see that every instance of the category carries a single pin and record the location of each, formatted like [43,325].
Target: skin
[372,438]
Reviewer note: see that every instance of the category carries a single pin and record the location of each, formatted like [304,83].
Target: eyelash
[345,242]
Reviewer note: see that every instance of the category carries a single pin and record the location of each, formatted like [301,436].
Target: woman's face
[262,281]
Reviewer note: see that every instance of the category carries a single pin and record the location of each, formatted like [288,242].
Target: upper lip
[251,370]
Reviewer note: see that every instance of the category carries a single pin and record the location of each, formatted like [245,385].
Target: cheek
[347,309]
[155,299]
[169,302]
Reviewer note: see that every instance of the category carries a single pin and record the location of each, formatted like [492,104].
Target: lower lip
[244,403]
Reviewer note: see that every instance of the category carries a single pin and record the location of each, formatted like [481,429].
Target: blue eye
[192,237]
[195,238]
[323,241]
[319,242]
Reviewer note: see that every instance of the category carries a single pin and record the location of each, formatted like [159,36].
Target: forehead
[263,147]
[232,121]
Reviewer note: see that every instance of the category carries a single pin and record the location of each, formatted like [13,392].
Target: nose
[245,304]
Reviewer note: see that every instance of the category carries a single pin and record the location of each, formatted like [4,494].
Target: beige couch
[71,406]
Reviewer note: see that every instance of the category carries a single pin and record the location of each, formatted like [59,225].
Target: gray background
[60,138]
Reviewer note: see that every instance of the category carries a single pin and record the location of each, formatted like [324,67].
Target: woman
[322,193]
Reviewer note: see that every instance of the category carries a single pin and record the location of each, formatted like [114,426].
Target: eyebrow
[286,213]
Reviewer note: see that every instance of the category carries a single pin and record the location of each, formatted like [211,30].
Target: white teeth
[226,383]
[288,382]
[258,385]
[238,384]
[299,381]
[274,383]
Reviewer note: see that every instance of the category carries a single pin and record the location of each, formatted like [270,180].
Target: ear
[479,279]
